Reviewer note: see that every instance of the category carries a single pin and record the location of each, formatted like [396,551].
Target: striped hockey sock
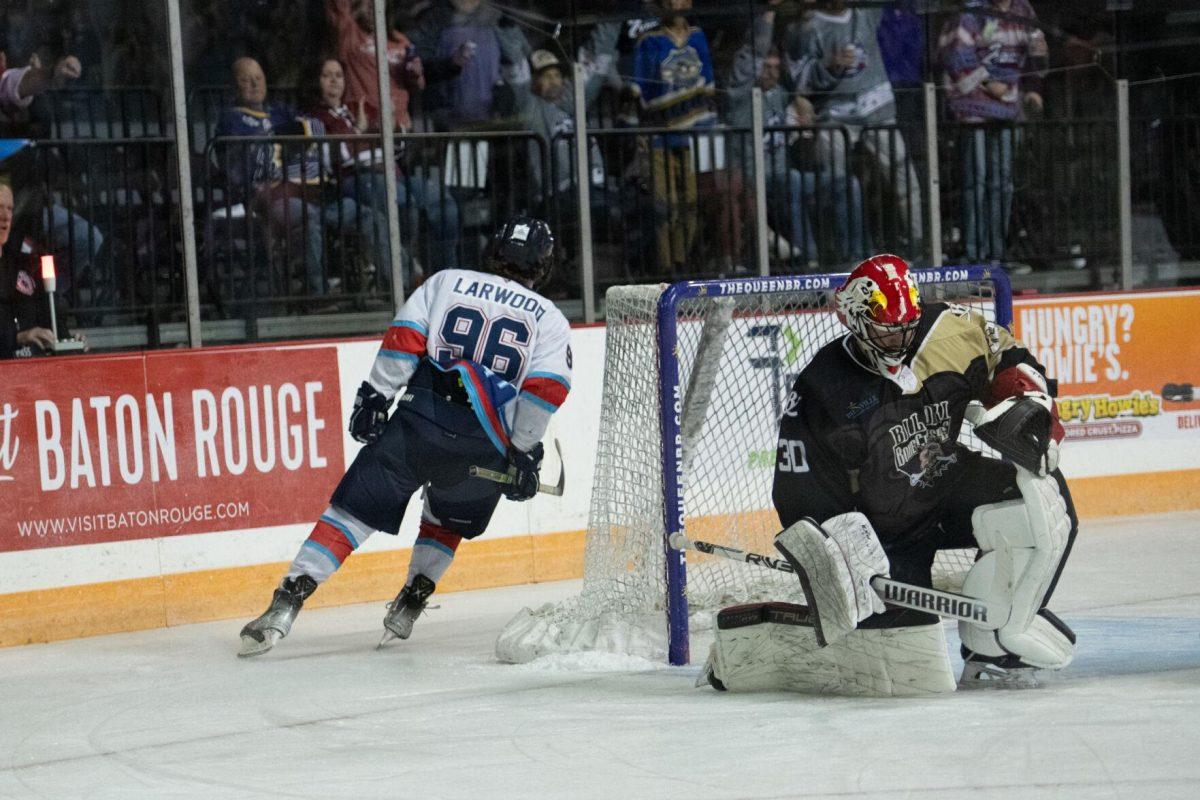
[335,536]
[433,551]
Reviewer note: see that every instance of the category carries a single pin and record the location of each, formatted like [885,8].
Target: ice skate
[260,635]
[404,610]
[1007,672]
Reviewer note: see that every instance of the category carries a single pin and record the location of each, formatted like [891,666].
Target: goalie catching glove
[1020,420]
[835,562]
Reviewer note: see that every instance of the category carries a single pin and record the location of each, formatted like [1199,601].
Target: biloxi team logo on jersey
[919,444]
[10,444]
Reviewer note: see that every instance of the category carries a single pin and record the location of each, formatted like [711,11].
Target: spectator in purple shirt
[985,52]
[470,34]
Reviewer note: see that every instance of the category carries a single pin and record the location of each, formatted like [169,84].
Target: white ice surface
[173,714]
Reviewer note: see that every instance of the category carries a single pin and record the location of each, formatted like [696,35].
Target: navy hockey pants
[430,441]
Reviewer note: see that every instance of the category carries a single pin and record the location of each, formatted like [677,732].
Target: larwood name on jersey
[501,295]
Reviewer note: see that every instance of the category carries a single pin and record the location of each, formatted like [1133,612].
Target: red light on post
[49,278]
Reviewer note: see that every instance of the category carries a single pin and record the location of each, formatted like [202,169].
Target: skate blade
[252,647]
[988,681]
[388,636]
[998,686]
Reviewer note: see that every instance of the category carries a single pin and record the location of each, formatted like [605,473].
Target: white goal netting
[737,358]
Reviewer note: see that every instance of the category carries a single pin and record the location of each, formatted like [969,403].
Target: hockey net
[733,349]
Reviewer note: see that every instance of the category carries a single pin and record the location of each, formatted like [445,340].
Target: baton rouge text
[100,440]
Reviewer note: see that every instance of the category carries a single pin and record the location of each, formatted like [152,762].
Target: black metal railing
[298,225]
[131,112]
[312,235]
[106,209]
[1043,193]
[665,203]
[1165,167]
[816,211]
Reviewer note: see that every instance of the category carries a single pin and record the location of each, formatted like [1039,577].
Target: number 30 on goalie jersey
[519,338]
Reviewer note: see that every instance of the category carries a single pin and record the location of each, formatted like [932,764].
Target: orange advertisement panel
[1127,365]
[113,448]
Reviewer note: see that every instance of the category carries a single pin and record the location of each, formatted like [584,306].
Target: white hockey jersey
[511,345]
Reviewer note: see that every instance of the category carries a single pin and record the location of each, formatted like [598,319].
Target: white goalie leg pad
[1023,542]
[773,647]
[835,562]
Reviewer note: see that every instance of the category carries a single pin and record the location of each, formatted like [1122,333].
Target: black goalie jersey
[852,440]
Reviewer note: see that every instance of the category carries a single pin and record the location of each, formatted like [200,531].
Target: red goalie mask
[880,304]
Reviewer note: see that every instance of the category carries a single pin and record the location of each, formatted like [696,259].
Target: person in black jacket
[24,311]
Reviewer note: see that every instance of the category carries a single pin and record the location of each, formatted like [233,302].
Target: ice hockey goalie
[870,435]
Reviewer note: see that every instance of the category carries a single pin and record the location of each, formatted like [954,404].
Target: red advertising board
[111,448]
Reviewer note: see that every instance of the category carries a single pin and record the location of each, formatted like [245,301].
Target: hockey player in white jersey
[477,363]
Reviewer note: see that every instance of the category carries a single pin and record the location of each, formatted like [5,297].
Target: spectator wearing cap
[545,98]
[674,76]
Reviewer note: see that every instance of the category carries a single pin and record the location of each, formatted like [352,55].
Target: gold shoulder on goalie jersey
[870,441]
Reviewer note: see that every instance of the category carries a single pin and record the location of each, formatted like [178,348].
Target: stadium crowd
[289,174]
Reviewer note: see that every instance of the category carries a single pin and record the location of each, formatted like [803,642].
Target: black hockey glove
[369,416]
[524,469]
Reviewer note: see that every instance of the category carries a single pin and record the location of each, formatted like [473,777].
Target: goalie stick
[894,593]
[555,489]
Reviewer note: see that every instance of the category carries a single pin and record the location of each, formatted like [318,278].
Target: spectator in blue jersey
[986,52]
[283,182]
[674,74]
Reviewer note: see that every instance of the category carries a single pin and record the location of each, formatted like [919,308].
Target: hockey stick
[894,593]
[555,489]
